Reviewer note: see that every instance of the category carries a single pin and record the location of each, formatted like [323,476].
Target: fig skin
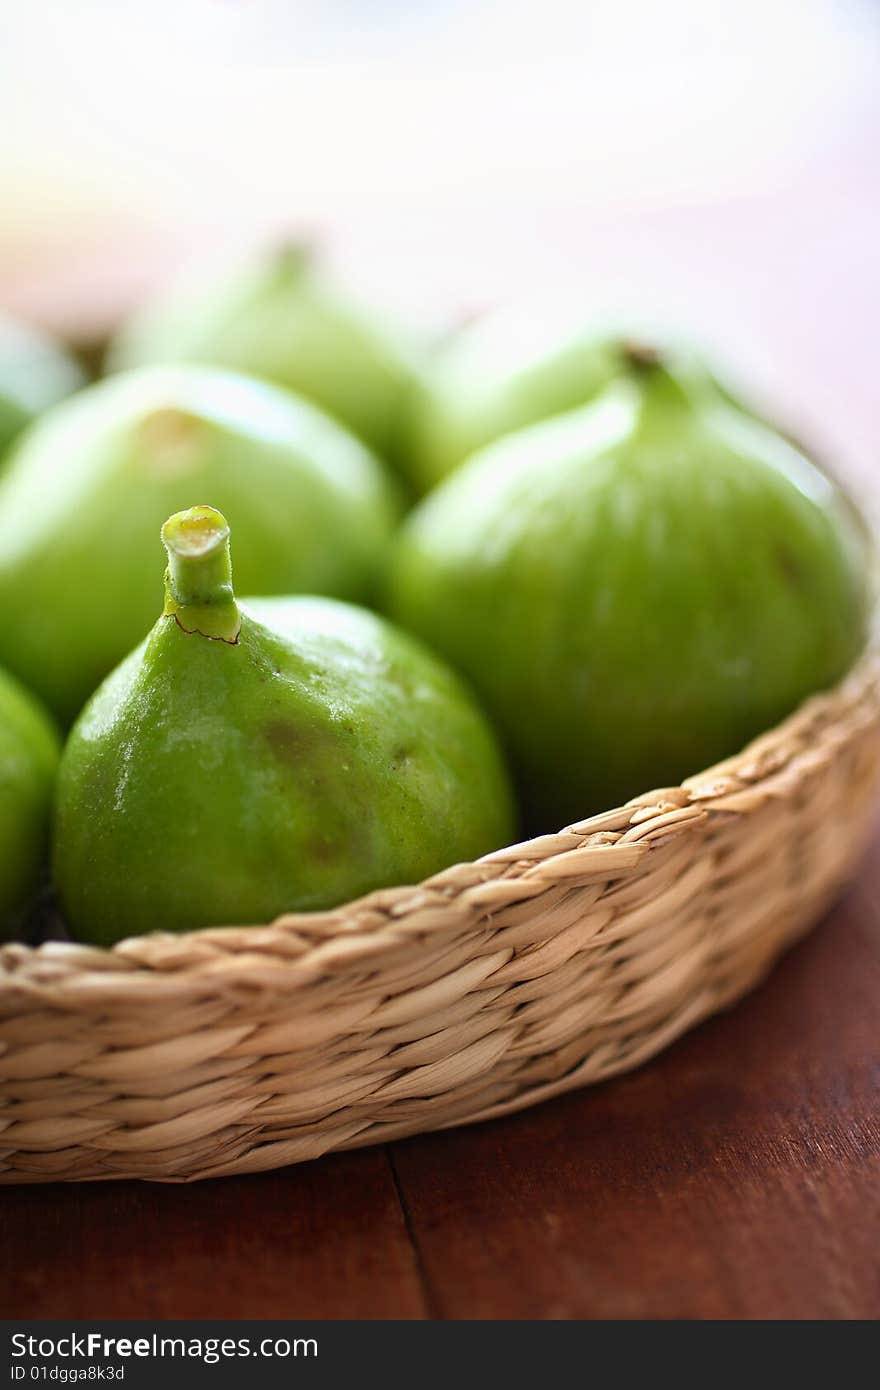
[635,590]
[516,367]
[30,748]
[35,373]
[277,318]
[89,487]
[318,755]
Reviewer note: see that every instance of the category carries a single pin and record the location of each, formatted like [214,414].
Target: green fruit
[286,756]
[29,751]
[511,370]
[88,489]
[635,589]
[277,319]
[34,373]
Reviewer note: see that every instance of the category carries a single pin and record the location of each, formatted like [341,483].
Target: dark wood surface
[737,1176]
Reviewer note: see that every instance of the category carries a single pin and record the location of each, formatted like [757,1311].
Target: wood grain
[324,1240]
[738,1176]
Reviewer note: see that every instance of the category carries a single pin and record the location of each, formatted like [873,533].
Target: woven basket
[488,987]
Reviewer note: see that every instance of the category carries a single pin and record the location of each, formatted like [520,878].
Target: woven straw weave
[488,987]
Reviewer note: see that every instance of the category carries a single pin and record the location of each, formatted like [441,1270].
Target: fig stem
[198,580]
[661,383]
[294,257]
[640,356]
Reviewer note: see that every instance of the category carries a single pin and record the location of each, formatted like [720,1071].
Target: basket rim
[608,845]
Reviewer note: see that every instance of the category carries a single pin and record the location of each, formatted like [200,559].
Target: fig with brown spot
[243,761]
[88,488]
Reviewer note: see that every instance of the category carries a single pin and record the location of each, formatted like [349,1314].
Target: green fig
[243,762]
[512,369]
[278,319]
[35,373]
[29,753]
[635,589]
[88,489]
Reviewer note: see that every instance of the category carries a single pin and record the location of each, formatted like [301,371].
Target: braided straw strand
[488,987]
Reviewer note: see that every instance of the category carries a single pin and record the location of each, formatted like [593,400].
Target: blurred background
[712,164]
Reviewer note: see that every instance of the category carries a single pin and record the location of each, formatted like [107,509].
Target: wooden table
[737,1176]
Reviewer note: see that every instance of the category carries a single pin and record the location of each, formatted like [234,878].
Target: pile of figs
[297,605]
